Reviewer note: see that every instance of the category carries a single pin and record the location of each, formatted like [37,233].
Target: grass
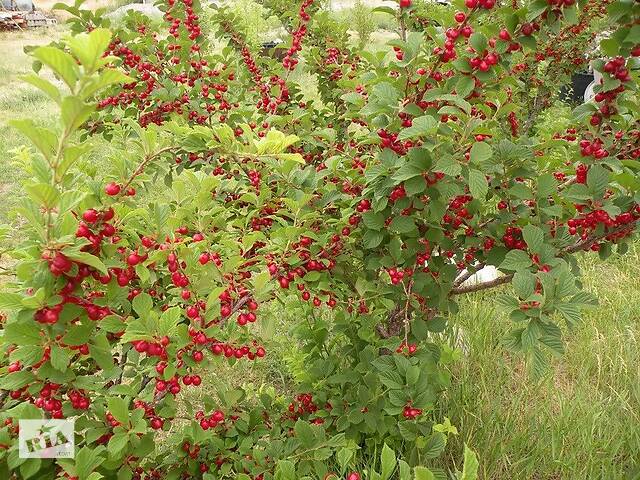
[583,420]
[18,100]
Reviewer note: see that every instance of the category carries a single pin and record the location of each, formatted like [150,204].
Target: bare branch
[481,286]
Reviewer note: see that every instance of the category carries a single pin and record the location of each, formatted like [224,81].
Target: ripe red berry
[112,189]
[90,216]
[405,3]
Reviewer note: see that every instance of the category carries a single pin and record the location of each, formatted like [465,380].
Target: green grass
[18,100]
[580,422]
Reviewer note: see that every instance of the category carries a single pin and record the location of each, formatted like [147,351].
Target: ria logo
[46,438]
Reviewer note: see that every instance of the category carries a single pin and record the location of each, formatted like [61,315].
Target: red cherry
[90,216]
[405,3]
[112,189]
[157,423]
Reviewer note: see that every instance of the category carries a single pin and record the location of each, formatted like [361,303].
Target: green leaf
[423,473]
[10,301]
[107,77]
[570,311]
[16,380]
[169,321]
[415,185]
[597,180]
[530,335]
[554,342]
[75,112]
[470,468]
[479,42]
[465,85]
[383,9]
[59,358]
[420,126]
[524,283]
[30,467]
[478,185]
[46,86]
[117,443]
[44,139]
[285,470]
[402,224]
[43,194]
[274,142]
[448,165]
[60,62]
[516,260]
[536,9]
[344,457]
[386,93]
[534,238]
[304,433]
[480,152]
[142,304]
[373,220]
[371,239]
[22,334]
[538,364]
[404,470]
[101,352]
[88,48]
[85,258]
[610,47]
[387,461]
[87,460]
[435,445]
[119,408]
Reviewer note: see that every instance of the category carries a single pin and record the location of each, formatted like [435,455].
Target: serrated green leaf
[478,185]
[10,301]
[60,62]
[516,260]
[480,152]
[142,304]
[402,224]
[373,220]
[59,358]
[524,283]
[423,473]
[304,433]
[424,125]
[447,165]
[119,408]
[533,237]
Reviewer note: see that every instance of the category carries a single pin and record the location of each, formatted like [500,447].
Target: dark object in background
[574,93]
[269,50]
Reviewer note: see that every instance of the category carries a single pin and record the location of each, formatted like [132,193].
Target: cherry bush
[364,209]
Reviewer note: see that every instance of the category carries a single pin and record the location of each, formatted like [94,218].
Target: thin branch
[581,245]
[468,274]
[481,286]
